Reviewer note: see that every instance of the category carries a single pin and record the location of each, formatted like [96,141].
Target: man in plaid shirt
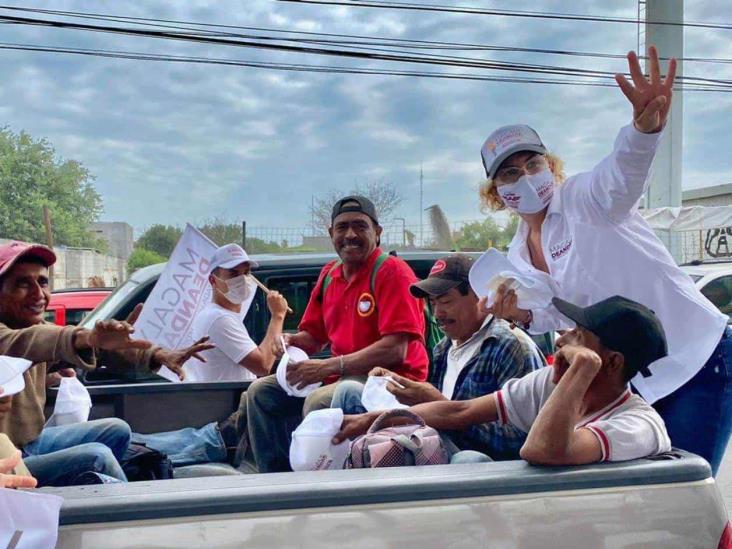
[478,354]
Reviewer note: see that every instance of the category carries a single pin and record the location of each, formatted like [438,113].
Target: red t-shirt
[350,318]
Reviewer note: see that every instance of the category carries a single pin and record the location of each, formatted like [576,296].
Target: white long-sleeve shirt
[597,245]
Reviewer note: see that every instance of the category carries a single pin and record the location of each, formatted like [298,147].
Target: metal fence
[395,235]
[699,245]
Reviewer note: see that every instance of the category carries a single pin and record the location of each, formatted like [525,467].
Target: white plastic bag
[376,397]
[490,270]
[73,403]
[29,519]
[311,448]
[11,374]
[291,356]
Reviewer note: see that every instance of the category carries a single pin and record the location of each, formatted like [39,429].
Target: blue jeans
[468,456]
[698,415]
[187,446]
[60,454]
[347,397]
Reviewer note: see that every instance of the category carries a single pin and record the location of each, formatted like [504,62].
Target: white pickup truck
[667,501]
[670,501]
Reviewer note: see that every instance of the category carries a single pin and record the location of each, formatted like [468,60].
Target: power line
[346,40]
[503,13]
[327,69]
[417,59]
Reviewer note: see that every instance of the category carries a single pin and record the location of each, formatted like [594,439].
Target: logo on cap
[438,267]
[366,305]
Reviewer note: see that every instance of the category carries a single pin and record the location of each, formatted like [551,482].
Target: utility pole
[665,177]
[421,208]
[664,187]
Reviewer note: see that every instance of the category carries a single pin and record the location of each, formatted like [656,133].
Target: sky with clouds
[170,143]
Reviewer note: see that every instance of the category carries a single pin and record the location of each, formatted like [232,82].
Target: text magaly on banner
[179,294]
[181,291]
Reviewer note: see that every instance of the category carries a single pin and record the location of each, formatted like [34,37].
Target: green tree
[259,246]
[160,239]
[31,177]
[480,235]
[141,257]
[222,232]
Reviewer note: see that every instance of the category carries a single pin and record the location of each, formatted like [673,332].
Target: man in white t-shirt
[580,410]
[236,357]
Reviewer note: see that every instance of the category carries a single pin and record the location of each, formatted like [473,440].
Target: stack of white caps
[311,448]
[534,290]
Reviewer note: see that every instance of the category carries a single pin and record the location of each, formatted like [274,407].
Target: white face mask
[530,194]
[239,289]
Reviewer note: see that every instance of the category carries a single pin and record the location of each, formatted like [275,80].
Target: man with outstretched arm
[56,456]
[581,410]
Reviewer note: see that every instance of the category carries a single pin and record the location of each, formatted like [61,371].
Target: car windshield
[105,309]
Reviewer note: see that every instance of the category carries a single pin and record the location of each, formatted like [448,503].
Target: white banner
[28,520]
[178,296]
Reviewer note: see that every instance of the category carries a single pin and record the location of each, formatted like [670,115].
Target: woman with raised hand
[587,235]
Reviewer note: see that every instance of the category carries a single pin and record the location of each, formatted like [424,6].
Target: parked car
[71,305]
[714,280]
[665,501]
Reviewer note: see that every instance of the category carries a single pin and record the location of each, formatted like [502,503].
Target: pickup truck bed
[670,501]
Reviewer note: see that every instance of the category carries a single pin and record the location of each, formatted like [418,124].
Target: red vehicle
[71,305]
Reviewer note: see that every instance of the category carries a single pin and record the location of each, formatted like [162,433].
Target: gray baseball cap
[506,141]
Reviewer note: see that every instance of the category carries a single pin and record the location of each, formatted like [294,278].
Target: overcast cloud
[172,143]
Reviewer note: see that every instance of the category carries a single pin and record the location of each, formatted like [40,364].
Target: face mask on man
[530,194]
[238,289]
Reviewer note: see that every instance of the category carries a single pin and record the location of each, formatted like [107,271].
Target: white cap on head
[230,256]
[506,141]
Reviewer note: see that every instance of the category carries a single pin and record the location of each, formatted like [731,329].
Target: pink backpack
[414,444]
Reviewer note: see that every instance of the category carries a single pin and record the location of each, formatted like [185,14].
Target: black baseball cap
[447,273]
[624,326]
[354,203]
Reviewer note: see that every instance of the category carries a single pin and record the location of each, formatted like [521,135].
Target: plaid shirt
[503,354]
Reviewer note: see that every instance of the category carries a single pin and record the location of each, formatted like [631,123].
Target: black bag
[143,463]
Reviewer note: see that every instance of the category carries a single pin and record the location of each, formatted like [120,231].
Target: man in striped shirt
[580,410]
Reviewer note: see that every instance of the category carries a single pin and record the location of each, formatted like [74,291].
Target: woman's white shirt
[597,245]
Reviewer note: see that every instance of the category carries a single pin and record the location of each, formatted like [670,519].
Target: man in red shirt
[366,322]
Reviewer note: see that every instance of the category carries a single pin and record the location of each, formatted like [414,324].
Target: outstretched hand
[114,335]
[353,426]
[175,360]
[650,97]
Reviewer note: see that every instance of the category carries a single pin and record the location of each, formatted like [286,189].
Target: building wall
[76,266]
[719,200]
[119,235]
[716,195]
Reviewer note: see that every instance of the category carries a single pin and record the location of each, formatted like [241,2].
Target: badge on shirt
[366,305]
[560,250]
